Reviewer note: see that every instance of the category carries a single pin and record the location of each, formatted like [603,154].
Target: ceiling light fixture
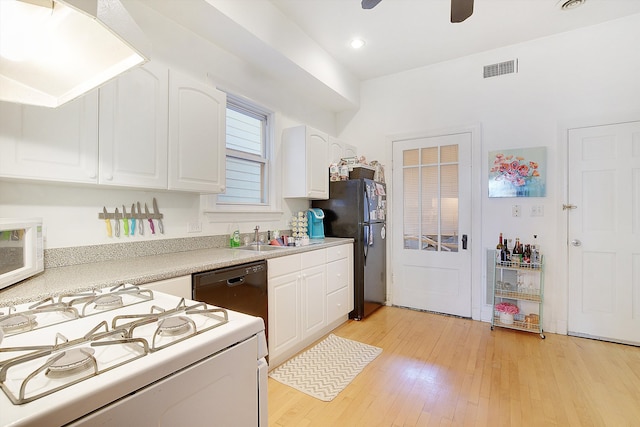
[53,51]
[357,43]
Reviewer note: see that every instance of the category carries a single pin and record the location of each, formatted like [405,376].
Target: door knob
[576,242]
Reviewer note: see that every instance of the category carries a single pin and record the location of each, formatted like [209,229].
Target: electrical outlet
[515,211]
[194,227]
[537,210]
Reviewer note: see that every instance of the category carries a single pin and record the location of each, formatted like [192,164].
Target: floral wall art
[518,173]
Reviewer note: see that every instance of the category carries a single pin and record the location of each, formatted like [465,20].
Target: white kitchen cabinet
[177,286]
[297,295]
[285,326]
[310,294]
[58,144]
[339,150]
[305,156]
[133,128]
[313,284]
[339,281]
[197,147]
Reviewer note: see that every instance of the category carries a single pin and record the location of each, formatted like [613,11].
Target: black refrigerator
[357,208]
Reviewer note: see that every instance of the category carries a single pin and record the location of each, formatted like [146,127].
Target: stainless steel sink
[261,248]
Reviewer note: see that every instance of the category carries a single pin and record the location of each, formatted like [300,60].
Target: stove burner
[71,362]
[18,323]
[175,325]
[107,302]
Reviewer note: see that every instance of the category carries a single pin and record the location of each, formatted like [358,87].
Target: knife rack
[109,215]
[130,215]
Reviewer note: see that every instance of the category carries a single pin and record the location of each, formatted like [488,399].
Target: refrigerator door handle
[367,206]
[366,244]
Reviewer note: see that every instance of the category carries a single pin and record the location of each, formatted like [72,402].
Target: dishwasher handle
[235,281]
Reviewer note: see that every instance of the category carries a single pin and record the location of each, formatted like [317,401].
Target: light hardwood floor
[443,371]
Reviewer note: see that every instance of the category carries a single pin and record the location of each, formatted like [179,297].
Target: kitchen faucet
[255,237]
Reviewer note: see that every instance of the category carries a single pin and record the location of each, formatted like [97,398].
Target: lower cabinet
[177,286]
[309,295]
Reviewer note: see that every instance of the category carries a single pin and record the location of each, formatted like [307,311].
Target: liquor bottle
[535,252]
[527,254]
[499,245]
[507,254]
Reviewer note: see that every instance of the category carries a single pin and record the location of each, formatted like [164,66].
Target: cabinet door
[339,150]
[197,147]
[335,150]
[338,304]
[313,282]
[305,152]
[284,313]
[317,164]
[133,128]
[58,144]
[349,151]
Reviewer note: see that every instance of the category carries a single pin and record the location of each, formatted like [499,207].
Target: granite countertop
[139,270]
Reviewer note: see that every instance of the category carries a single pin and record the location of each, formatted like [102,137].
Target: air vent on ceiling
[507,67]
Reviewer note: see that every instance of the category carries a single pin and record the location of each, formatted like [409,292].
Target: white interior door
[603,231]
[432,213]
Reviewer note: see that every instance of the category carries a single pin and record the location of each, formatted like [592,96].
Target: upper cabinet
[150,128]
[58,144]
[305,155]
[339,150]
[133,128]
[197,147]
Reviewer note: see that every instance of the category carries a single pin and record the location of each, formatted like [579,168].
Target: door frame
[559,310]
[478,280]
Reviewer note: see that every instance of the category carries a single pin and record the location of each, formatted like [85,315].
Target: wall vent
[507,67]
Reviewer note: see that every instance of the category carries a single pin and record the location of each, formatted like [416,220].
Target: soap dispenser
[234,236]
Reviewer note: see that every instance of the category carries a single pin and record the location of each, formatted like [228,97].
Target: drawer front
[313,258]
[338,304]
[283,265]
[337,275]
[337,252]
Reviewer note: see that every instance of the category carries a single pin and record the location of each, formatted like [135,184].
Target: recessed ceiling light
[357,43]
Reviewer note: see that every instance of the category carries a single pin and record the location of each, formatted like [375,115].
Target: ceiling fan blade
[370,4]
[460,10]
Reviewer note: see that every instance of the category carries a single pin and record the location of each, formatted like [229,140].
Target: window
[247,141]
[431,198]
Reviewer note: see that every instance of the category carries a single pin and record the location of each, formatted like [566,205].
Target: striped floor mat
[327,368]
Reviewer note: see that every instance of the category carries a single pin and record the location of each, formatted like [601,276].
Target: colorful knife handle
[108,223]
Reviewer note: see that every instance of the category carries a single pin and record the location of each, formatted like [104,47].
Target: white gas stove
[130,356]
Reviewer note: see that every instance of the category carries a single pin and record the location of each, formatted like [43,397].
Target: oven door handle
[236,281]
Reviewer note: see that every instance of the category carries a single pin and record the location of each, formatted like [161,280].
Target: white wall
[588,76]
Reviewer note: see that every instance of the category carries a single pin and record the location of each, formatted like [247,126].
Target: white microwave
[21,250]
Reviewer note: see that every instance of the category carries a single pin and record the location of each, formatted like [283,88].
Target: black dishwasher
[240,288]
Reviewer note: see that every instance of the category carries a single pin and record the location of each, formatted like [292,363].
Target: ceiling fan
[460,9]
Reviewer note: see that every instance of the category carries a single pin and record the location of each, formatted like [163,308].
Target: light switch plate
[194,227]
[537,210]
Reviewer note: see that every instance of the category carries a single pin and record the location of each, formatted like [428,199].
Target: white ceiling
[406,34]
[302,46]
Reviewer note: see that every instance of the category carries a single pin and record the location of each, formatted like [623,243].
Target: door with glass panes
[432,221]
